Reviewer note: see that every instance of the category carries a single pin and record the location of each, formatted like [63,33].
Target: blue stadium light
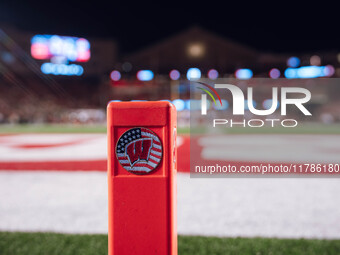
[224,106]
[38,39]
[195,104]
[246,104]
[62,69]
[291,73]
[308,72]
[193,74]
[187,104]
[179,104]
[293,62]
[267,104]
[145,75]
[243,74]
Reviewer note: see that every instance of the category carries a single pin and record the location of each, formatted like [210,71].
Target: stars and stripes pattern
[141,166]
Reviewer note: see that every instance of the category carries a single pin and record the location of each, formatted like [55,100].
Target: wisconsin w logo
[139,150]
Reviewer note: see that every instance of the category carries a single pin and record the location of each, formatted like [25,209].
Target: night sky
[278,27]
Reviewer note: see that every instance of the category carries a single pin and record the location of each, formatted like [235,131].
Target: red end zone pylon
[142,168]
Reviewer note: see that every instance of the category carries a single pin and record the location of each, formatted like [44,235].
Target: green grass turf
[12,243]
[304,128]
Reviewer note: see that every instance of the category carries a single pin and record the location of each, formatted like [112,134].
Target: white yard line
[77,147]
[76,202]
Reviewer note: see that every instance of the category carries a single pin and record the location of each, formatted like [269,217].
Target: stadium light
[212,74]
[62,69]
[246,104]
[293,62]
[267,104]
[306,72]
[179,104]
[193,74]
[115,75]
[329,70]
[243,74]
[196,104]
[224,106]
[315,60]
[174,75]
[71,48]
[274,73]
[145,75]
[196,50]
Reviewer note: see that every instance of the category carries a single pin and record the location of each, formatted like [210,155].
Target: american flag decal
[139,150]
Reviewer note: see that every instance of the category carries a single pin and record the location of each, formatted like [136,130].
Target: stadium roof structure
[195,47]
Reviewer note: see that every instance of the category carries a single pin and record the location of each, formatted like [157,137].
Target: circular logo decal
[139,150]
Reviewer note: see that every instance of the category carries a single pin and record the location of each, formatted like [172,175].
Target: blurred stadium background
[53,79]
[58,86]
